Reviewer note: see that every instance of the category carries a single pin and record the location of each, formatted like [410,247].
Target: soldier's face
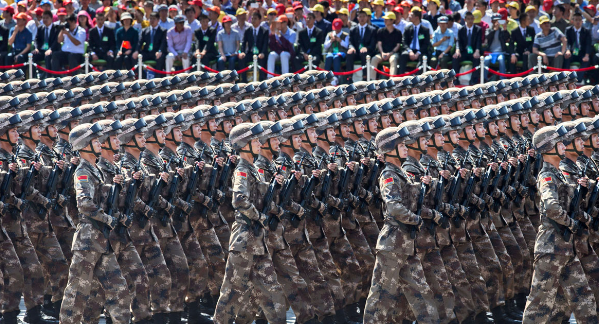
[255,117]
[323,106]
[212,125]
[373,125]
[282,114]
[397,117]
[515,120]
[513,96]
[238,120]
[389,94]
[595,141]
[344,128]
[493,129]
[524,93]
[548,117]
[403,150]
[470,132]
[197,130]
[562,86]
[439,139]
[433,112]
[337,104]
[380,96]
[423,114]
[297,141]
[331,134]
[524,121]
[274,144]
[52,132]
[13,135]
[410,115]
[96,145]
[160,136]
[585,109]
[309,109]
[501,126]
[571,86]
[415,91]
[84,102]
[480,130]
[312,136]
[227,126]
[454,136]
[459,105]
[169,109]
[552,88]
[255,146]
[385,122]
[534,92]
[500,98]
[359,126]
[579,144]
[36,133]
[444,109]
[296,110]
[490,101]
[561,148]
[596,104]
[475,104]
[423,143]
[115,143]
[557,112]
[573,110]
[404,93]
[177,134]
[534,118]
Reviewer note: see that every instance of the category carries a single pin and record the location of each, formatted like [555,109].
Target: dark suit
[305,46]
[521,43]
[424,43]
[584,46]
[476,40]
[207,44]
[40,41]
[4,44]
[101,45]
[260,43]
[357,41]
[148,49]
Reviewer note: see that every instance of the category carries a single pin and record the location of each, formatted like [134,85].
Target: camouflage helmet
[229,76]
[162,84]
[9,103]
[242,134]
[65,116]
[364,111]
[90,112]
[271,130]
[30,118]
[592,126]
[146,86]
[388,139]
[417,129]
[154,123]
[575,129]
[71,81]
[327,119]
[131,127]
[291,127]
[173,120]
[186,80]
[109,128]
[45,98]
[63,97]
[453,122]
[545,139]
[26,101]
[191,117]
[81,136]
[37,84]
[9,121]
[568,97]
[12,75]
[387,106]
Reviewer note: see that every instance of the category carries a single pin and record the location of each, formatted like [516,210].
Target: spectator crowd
[338,34]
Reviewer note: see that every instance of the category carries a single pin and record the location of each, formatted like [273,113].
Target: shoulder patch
[548,180]
[566,174]
[24,161]
[284,168]
[411,175]
[82,178]
[242,174]
[388,181]
[261,171]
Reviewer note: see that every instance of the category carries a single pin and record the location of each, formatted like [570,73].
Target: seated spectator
[388,45]
[7,21]
[453,23]
[320,22]
[558,20]
[241,25]
[205,40]
[399,24]
[112,19]
[102,41]
[228,45]
[281,43]
[20,39]
[531,12]
[173,11]
[84,22]
[416,41]
[298,15]
[4,44]
[178,40]
[433,13]
[191,20]
[271,17]
[514,10]
[468,7]
[152,44]
[45,41]
[84,6]
[443,41]
[68,6]
[469,46]
[255,42]
[165,22]
[72,38]
[478,22]
[481,5]
[343,14]
[522,38]
[213,14]
[580,47]
[378,16]
[362,42]
[335,47]
[550,44]
[496,42]
[328,14]
[126,42]
[309,42]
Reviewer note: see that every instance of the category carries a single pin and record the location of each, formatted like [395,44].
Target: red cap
[67,2]
[547,4]
[503,13]
[416,1]
[337,24]
[215,9]
[493,1]
[38,11]
[9,9]
[280,9]
[282,19]
[226,19]
[21,15]
[298,7]
[61,12]
[405,4]
[122,7]
[398,9]
[591,7]
[100,10]
[502,1]
[196,2]
[391,3]
[22,3]
[289,10]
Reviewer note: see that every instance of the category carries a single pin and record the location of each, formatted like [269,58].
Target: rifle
[268,198]
[357,182]
[525,176]
[66,180]
[305,197]
[439,194]
[113,195]
[212,180]
[154,193]
[131,195]
[191,186]
[172,190]
[575,203]
[484,189]
[51,186]
[287,192]
[326,186]
[455,185]
[469,188]
[222,181]
[505,175]
[7,181]
[343,185]
[32,172]
[372,182]
[423,189]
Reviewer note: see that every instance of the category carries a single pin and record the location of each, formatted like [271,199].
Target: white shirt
[344,43]
[69,47]
[168,24]
[195,25]
[401,26]
[310,30]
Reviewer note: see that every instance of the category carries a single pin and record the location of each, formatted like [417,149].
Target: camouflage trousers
[364,255]
[347,263]
[65,239]
[506,262]
[523,286]
[464,303]
[530,236]
[198,265]
[137,283]
[329,270]
[158,275]
[516,255]
[490,268]
[394,274]
[215,256]
[478,286]
[179,271]
[320,294]
[294,288]
[11,275]
[552,271]
[33,288]
[87,266]
[371,232]
[248,276]
[53,262]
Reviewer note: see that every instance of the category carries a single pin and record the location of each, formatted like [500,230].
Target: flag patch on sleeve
[261,171]
[548,180]
[566,174]
[388,181]
[82,178]
[242,174]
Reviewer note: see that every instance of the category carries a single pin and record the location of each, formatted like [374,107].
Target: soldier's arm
[392,196]
[85,192]
[241,196]
[550,199]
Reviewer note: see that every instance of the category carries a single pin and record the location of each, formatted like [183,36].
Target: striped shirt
[550,44]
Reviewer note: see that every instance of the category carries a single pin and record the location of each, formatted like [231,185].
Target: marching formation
[192,199]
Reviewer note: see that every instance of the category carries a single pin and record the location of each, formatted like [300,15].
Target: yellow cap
[318,8]
[390,16]
[343,11]
[378,3]
[140,10]
[514,5]
[477,16]
[272,10]
[529,8]
[221,16]
[415,9]
[367,11]
[240,11]
[437,2]
[543,19]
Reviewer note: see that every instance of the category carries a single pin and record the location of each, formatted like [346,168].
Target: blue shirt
[438,35]
[378,22]
[23,38]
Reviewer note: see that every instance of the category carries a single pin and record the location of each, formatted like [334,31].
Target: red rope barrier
[58,72]
[209,69]
[12,66]
[511,75]
[570,70]
[268,72]
[396,76]
[302,70]
[167,72]
[245,69]
[342,73]
[95,68]
[467,72]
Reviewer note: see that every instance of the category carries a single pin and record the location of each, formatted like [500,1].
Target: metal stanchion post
[30,63]
[482,70]
[310,62]
[540,63]
[367,68]
[86,63]
[255,68]
[140,66]
[199,63]
[424,61]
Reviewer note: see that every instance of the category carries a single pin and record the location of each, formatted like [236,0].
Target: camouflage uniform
[146,242]
[169,241]
[555,259]
[398,268]
[226,210]
[71,213]
[126,255]
[92,254]
[40,232]
[368,220]
[250,271]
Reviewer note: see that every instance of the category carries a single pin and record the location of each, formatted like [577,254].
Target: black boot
[174,318]
[328,320]
[47,307]
[362,305]
[56,306]
[160,318]
[261,321]
[107,317]
[11,317]
[340,317]
[469,320]
[207,306]
[195,315]
[512,311]
[35,316]
[481,318]
[500,317]
[353,313]
[521,301]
